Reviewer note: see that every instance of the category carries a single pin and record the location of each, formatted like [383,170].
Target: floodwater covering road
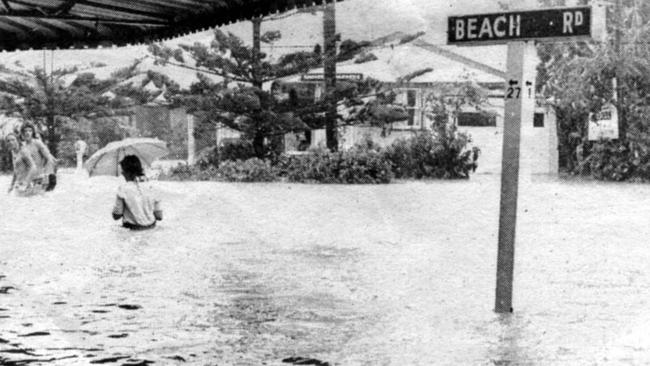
[276,274]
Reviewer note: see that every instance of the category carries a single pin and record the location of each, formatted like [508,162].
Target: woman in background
[24,168]
[45,175]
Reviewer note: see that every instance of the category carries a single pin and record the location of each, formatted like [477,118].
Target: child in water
[136,203]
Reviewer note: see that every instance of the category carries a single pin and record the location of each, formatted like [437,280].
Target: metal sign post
[519,108]
[519,30]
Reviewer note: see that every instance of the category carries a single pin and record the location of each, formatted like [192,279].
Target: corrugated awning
[36,24]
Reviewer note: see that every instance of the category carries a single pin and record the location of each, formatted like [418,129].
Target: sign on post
[519,30]
[341,76]
[604,124]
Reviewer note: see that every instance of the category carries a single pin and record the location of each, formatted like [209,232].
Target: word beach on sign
[500,27]
[540,25]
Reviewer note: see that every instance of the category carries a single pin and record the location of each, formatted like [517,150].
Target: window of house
[411,105]
[477,119]
[408,99]
[538,120]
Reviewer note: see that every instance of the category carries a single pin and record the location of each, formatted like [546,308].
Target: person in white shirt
[136,203]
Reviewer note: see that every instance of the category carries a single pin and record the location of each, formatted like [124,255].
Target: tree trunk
[329,65]
[258,145]
[52,136]
[618,102]
[257,52]
[258,139]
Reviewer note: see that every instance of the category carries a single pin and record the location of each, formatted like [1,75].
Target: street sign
[520,30]
[539,25]
[341,76]
[604,124]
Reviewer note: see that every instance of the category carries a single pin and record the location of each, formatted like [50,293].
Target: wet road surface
[279,274]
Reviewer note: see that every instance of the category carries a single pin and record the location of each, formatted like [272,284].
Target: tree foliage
[55,105]
[578,78]
[246,107]
[46,100]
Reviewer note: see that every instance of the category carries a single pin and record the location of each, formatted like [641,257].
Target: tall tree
[48,101]
[246,108]
[259,114]
[53,102]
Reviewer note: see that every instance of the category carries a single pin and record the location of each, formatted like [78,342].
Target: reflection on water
[248,274]
[509,348]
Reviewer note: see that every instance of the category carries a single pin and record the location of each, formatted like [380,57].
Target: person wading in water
[41,156]
[136,203]
[23,166]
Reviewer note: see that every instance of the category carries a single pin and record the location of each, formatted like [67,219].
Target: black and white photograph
[324,182]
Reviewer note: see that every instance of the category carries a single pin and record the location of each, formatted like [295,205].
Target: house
[415,71]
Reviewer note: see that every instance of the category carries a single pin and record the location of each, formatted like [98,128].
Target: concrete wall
[352,135]
[538,150]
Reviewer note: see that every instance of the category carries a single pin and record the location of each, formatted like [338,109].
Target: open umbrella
[106,160]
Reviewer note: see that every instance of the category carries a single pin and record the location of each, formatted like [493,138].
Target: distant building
[415,70]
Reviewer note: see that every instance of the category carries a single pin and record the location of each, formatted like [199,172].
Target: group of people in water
[34,167]
[34,171]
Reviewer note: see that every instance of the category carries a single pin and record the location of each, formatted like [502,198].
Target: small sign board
[604,124]
[549,24]
[341,76]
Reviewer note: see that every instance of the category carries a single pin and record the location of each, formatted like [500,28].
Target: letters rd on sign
[540,25]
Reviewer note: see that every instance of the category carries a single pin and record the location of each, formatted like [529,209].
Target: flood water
[277,274]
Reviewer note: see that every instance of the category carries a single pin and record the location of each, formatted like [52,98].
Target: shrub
[363,167]
[229,151]
[189,172]
[236,150]
[443,155]
[612,161]
[251,170]
[356,166]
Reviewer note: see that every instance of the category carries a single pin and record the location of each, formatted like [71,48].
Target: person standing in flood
[137,203]
[24,168]
[80,147]
[45,162]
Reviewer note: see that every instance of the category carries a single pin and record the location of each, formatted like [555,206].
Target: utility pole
[258,139]
[329,65]
[616,81]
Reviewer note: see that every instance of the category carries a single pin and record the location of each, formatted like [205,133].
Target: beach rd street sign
[540,25]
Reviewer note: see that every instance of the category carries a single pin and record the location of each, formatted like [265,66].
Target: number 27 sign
[514,90]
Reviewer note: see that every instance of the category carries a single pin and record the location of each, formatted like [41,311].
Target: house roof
[37,24]
[395,62]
